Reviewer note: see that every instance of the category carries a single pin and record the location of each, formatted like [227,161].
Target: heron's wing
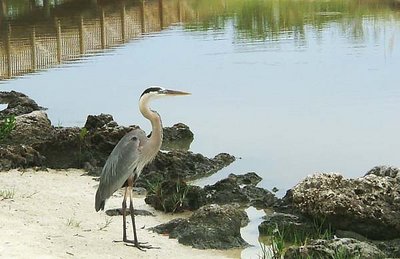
[121,163]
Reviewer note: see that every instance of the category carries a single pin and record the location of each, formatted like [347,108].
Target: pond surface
[290,87]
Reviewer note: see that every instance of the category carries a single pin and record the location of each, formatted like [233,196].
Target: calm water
[290,87]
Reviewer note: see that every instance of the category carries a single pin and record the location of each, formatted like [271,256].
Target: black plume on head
[151,89]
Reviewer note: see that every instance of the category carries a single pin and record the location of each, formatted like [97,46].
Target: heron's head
[156,92]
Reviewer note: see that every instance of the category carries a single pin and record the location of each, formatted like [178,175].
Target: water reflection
[37,35]
[31,43]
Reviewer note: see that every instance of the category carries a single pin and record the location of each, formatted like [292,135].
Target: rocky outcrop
[182,165]
[75,147]
[212,226]
[19,156]
[65,149]
[33,141]
[385,171]
[335,248]
[177,137]
[229,190]
[96,122]
[31,128]
[390,247]
[292,228]
[17,104]
[250,178]
[175,195]
[368,205]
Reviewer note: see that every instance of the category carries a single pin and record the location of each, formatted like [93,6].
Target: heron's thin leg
[135,240]
[124,217]
[136,243]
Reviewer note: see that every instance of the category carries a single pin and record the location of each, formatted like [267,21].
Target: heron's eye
[134,138]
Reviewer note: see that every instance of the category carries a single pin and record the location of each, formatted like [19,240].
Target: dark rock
[181,165]
[94,122]
[104,133]
[212,226]
[19,156]
[388,171]
[75,147]
[18,104]
[291,227]
[166,195]
[390,247]
[259,197]
[250,178]
[175,196]
[31,128]
[225,191]
[177,132]
[228,190]
[368,205]
[169,227]
[89,147]
[335,248]
[350,234]
[177,137]
[64,150]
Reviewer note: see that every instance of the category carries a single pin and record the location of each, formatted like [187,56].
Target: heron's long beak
[174,92]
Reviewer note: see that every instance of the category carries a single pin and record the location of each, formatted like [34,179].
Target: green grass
[6,126]
[178,198]
[265,252]
[342,253]
[82,134]
[171,196]
[71,222]
[280,239]
[7,194]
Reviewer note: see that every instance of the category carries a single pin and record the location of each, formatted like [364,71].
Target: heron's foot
[140,245]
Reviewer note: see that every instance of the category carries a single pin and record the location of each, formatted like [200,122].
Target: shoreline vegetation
[49,174]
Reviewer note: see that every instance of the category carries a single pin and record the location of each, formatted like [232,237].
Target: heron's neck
[156,125]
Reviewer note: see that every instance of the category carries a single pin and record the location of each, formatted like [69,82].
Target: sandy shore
[51,215]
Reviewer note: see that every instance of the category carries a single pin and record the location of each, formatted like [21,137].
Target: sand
[51,215]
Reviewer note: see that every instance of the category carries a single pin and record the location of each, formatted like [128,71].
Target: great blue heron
[132,153]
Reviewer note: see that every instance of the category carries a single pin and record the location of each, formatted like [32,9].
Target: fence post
[58,32]
[33,50]
[103,29]
[81,38]
[123,14]
[142,19]
[161,13]
[8,51]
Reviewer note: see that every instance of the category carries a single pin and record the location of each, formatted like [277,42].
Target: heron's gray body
[128,157]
